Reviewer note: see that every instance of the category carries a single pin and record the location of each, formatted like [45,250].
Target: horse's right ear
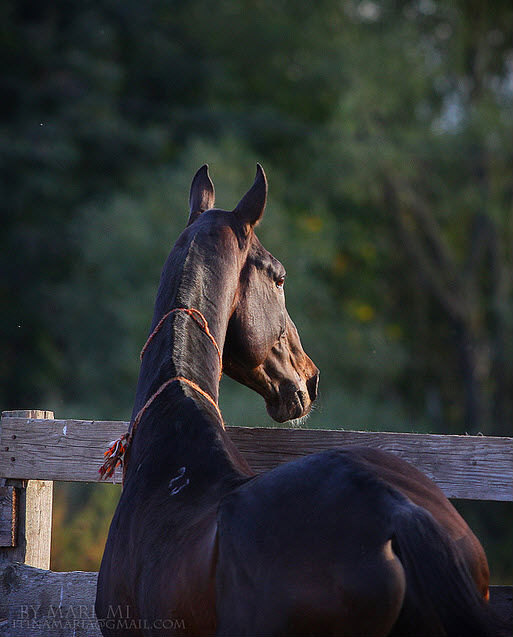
[251,207]
[202,195]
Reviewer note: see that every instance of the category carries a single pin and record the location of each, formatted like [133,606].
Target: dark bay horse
[348,543]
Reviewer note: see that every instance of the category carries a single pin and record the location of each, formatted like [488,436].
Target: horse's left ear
[251,207]
[202,195]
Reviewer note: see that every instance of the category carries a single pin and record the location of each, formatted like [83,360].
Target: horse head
[262,348]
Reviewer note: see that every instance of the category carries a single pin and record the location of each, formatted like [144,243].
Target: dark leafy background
[386,132]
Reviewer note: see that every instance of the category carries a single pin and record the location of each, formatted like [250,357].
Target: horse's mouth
[291,402]
[294,406]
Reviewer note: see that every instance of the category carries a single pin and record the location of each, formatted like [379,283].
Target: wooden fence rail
[36,449]
[467,467]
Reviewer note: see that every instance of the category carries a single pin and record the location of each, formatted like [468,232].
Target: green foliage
[385,128]
[81,519]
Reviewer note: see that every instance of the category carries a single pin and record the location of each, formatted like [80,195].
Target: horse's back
[306,549]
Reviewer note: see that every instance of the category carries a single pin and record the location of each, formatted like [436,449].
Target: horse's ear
[202,195]
[251,207]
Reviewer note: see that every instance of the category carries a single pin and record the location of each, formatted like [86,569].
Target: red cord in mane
[198,318]
[115,455]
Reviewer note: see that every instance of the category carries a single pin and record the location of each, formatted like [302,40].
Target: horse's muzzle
[293,401]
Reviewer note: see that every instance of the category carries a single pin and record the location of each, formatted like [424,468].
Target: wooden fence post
[26,512]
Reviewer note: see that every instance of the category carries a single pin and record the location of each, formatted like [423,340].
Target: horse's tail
[441,598]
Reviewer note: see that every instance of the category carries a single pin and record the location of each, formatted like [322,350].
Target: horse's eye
[280,282]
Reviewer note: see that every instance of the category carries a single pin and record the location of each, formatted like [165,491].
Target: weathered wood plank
[33,524]
[34,506]
[37,603]
[55,449]
[40,603]
[8,516]
[38,523]
[468,467]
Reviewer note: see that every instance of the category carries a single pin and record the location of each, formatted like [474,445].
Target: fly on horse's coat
[348,543]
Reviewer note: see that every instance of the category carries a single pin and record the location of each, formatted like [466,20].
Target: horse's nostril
[312,385]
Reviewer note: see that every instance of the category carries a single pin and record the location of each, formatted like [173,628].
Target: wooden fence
[36,449]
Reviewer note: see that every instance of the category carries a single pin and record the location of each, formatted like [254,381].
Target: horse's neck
[190,339]
[173,427]
[189,326]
